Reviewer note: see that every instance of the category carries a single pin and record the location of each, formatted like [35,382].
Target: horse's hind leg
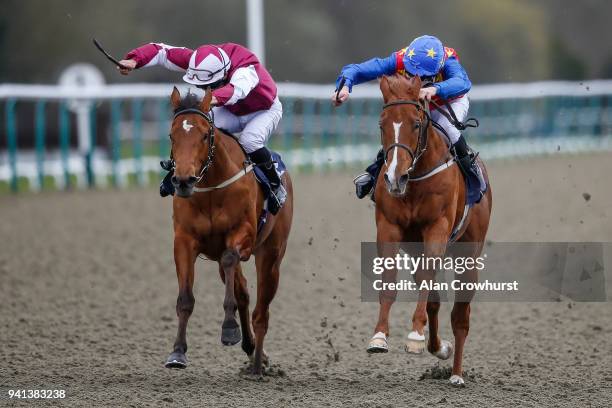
[428,303]
[242,297]
[460,321]
[184,257]
[267,263]
[230,330]
[241,294]
[442,349]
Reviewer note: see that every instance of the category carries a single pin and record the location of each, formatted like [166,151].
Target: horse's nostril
[174,180]
[386,177]
[192,180]
[403,179]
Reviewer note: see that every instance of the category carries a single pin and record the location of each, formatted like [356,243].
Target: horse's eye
[417,125]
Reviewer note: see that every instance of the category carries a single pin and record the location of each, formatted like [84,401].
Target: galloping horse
[215,211]
[420,197]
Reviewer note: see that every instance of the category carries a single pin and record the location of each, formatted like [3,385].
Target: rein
[449,114]
[211,154]
[421,143]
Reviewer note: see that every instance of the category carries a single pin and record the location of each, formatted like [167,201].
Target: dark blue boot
[466,159]
[262,158]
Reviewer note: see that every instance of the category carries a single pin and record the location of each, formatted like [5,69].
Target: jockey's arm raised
[241,83]
[168,56]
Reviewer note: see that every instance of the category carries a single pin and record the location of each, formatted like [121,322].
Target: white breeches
[255,128]
[460,106]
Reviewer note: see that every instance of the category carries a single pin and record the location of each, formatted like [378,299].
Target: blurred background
[511,49]
[310,40]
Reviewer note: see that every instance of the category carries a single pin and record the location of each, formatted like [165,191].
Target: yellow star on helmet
[431,53]
[411,53]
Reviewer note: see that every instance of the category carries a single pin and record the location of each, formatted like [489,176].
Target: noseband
[422,141]
[210,136]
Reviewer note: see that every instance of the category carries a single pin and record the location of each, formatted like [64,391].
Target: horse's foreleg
[387,238]
[185,252]
[230,330]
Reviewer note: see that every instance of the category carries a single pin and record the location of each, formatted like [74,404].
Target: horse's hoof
[445,351]
[415,343]
[255,377]
[176,360]
[457,381]
[230,335]
[265,360]
[378,344]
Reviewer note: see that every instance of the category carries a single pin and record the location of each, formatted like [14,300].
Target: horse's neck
[436,153]
[228,160]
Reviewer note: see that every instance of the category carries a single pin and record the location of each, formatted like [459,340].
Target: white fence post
[255,29]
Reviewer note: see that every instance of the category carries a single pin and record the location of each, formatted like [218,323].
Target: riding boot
[262,158]
[365,183]
[466,159]
[166,187]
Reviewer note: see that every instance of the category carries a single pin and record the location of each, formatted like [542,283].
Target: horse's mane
[402,87]
[189,101]
[193,101]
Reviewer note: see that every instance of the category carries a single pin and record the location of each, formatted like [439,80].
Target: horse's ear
[385,88]
[205,104]
[175,98]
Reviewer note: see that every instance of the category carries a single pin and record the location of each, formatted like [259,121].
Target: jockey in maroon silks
[244,96]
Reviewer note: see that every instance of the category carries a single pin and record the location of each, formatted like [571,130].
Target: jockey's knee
[251,143]
[453,133]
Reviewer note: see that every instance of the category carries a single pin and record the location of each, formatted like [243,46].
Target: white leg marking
[415,344]
[187,126]
[393,165]
[457,381]
[378,343]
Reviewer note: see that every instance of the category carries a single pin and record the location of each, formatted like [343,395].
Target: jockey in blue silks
[444,79]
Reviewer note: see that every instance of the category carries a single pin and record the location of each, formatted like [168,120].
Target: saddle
[262,180]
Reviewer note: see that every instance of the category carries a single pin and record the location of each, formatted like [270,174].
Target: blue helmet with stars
[424,56]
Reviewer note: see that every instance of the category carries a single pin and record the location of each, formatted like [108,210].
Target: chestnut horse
[215,212]
[420,197]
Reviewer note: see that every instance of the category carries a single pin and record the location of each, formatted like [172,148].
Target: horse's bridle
[422,141]
[210,136]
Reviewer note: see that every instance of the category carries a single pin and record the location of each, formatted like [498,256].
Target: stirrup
[364,184]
